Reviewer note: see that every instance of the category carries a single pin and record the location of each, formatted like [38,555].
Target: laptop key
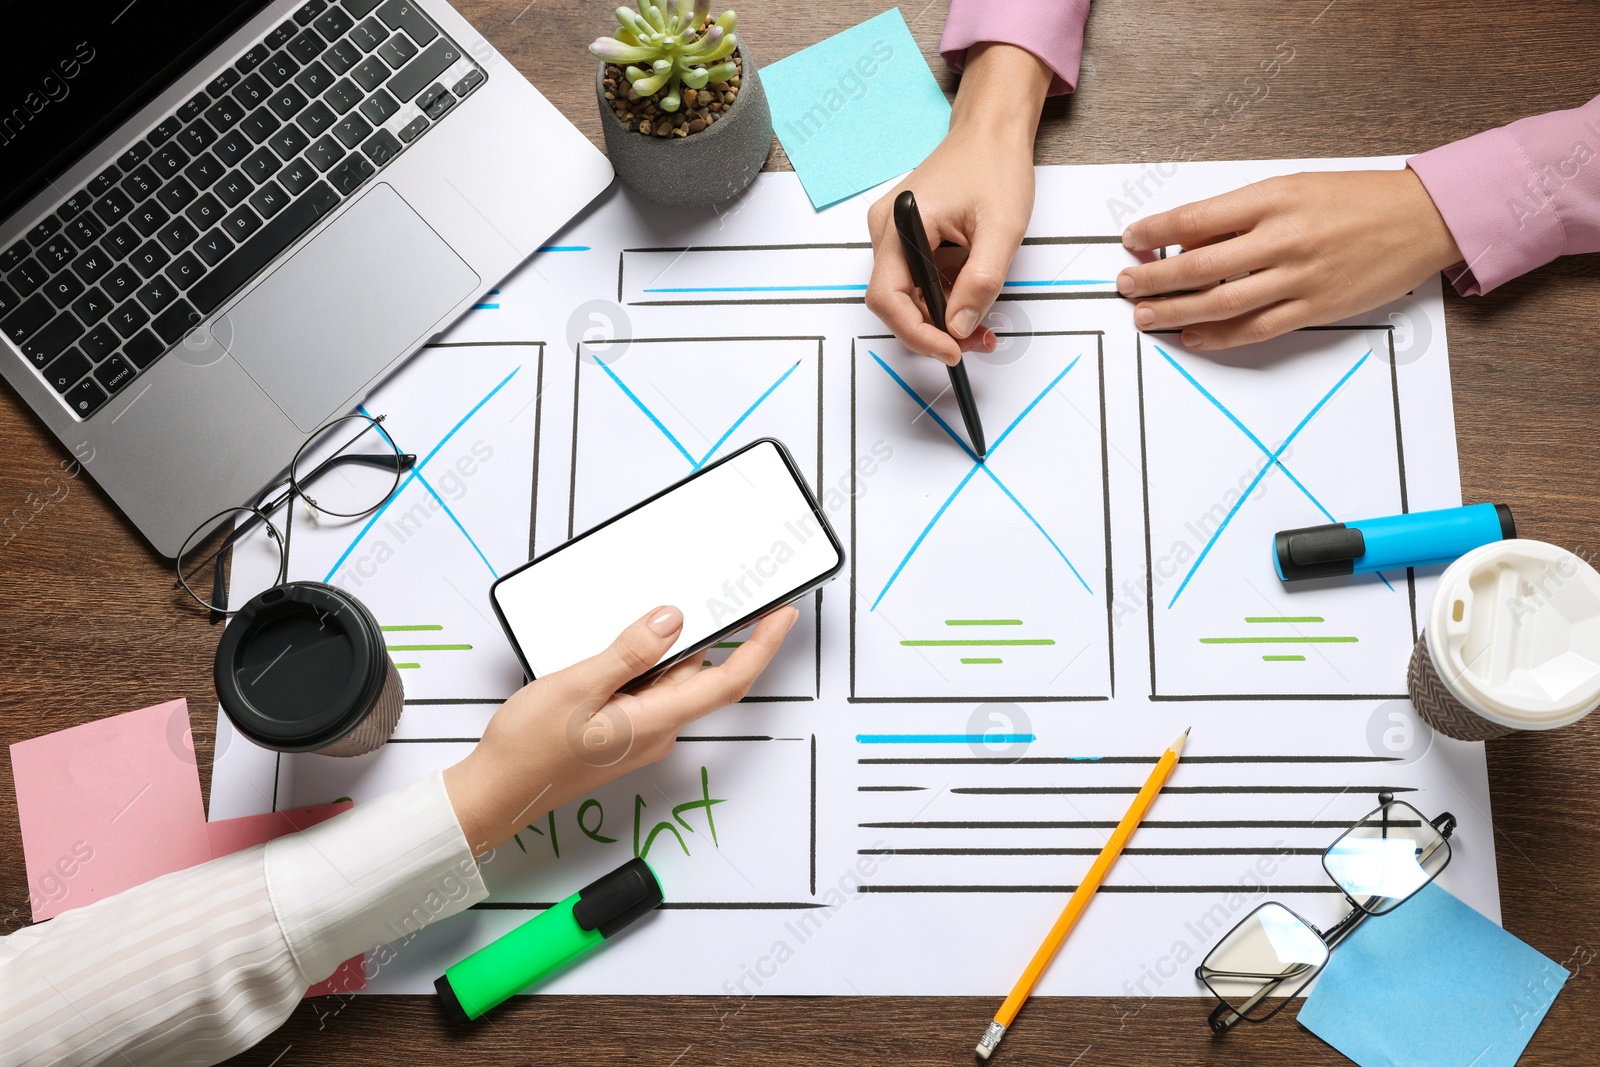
[91,307]
[99,342]
[359,8]
[333,24]
[196,137]
[343,96]
[102,183]
[381,147]
[225,112]
[120,241]
[150,258]
[437,58]
[296,176]
[42,232]
[252,92]
[205,212]
[193,107]
[396,51]
[269,200]
[316,119]
[8,300]
[57,252]
[341,57]
[398,15]
[28,277]
[53,340]
[379,107]
[140,183]
[310,10]
[438,104]
[91,266]
[241,223]
[280,36]
[176,195]
[63,289]
[121,283]
[176,321]
[86,397]
[177,234]
[26,319]
[169,161]
[259,124]
[262,163]
[128,319]
[369,35]
[85,230]
[233,188]
[222,82]
[279,69]
[157,294]
[67,369]
[142,349]
[185,270]
[287,102]
[413,129]
[253,59]
[134,156]
[13,256]
[306,46]
[114,373]
[351,130]
[113,206]
[263,248]
[315,80]
[232,147]
[148,218]
[213,248]
[325,153]
[165,131]
[348,176]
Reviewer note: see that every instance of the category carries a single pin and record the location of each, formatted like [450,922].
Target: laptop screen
[74,70]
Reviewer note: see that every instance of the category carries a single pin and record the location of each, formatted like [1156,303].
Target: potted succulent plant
[686,122]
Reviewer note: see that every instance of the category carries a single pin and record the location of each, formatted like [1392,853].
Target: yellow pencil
[1081,897]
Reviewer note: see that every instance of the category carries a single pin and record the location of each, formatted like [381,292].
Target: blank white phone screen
[719,547]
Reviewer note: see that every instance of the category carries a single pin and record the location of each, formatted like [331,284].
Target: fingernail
[1125,284]
[1144,316]
[1127,240]
[963,322]
[665,622]
[1191,340]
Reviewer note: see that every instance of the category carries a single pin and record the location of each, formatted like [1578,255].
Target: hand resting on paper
[1314,248]
[569,732]
[976,194]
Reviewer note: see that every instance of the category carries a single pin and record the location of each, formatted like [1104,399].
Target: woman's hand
[975,191]
[1315,248]
[570,732]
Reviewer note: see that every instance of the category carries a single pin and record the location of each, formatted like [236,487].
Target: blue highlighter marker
[1389,543]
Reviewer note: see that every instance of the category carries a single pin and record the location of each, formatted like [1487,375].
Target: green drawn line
[1283,618]
[1284,659]
[992,641]
[1279,640]
[980,659]
[428,648]
[983,622]
[407,666]
[727,644]
[419,626]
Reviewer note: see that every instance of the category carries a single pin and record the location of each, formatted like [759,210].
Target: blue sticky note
[856,109]
[1432,982]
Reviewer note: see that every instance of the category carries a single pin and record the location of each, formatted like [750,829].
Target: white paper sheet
[890,812]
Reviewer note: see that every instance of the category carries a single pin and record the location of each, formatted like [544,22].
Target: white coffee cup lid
[1514,632]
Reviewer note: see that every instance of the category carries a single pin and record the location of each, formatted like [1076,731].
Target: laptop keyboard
[128,264]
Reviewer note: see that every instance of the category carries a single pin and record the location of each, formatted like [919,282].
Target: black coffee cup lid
[300,666]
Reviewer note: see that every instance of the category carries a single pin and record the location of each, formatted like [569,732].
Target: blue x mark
[416,474]
[977,465]
[1274,457]
[695,464]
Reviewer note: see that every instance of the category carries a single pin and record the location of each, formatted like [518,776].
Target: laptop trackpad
[349,303]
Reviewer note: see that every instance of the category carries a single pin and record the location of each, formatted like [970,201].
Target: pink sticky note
[230,835]
[108,805]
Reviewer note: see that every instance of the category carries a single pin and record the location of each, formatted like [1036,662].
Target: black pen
[925,276]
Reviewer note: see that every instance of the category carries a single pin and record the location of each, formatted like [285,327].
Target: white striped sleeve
[200,964]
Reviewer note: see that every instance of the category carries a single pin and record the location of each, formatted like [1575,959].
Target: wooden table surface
[90,627]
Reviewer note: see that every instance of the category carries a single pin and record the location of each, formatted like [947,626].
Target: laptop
[223,223]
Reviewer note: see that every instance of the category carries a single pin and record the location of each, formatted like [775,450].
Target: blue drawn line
[425,484]
[413,473]
[947,739]
[977,465]
[563,248]
[647,412]
[850,288]
[921,536]
[487,307]
[747,413]
[1262,473]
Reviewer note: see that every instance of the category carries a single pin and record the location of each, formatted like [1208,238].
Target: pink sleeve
[1050,29]
[1518,196]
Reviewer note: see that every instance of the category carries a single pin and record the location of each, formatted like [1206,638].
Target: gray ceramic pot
[703,168]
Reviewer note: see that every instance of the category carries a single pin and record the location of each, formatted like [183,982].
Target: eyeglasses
[346,470]
[1379,863]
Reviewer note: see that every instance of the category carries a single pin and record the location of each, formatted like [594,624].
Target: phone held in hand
[725,546]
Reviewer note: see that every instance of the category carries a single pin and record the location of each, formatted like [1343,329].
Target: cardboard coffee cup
[303,668]
[1512,643]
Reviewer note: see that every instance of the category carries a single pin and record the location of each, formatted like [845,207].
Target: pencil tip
[1177,746]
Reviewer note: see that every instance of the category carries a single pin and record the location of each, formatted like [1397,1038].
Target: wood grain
[89,623]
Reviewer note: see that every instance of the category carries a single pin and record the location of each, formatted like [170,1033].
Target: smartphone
[726,545]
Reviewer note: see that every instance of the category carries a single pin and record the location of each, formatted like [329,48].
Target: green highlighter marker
[503,968]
